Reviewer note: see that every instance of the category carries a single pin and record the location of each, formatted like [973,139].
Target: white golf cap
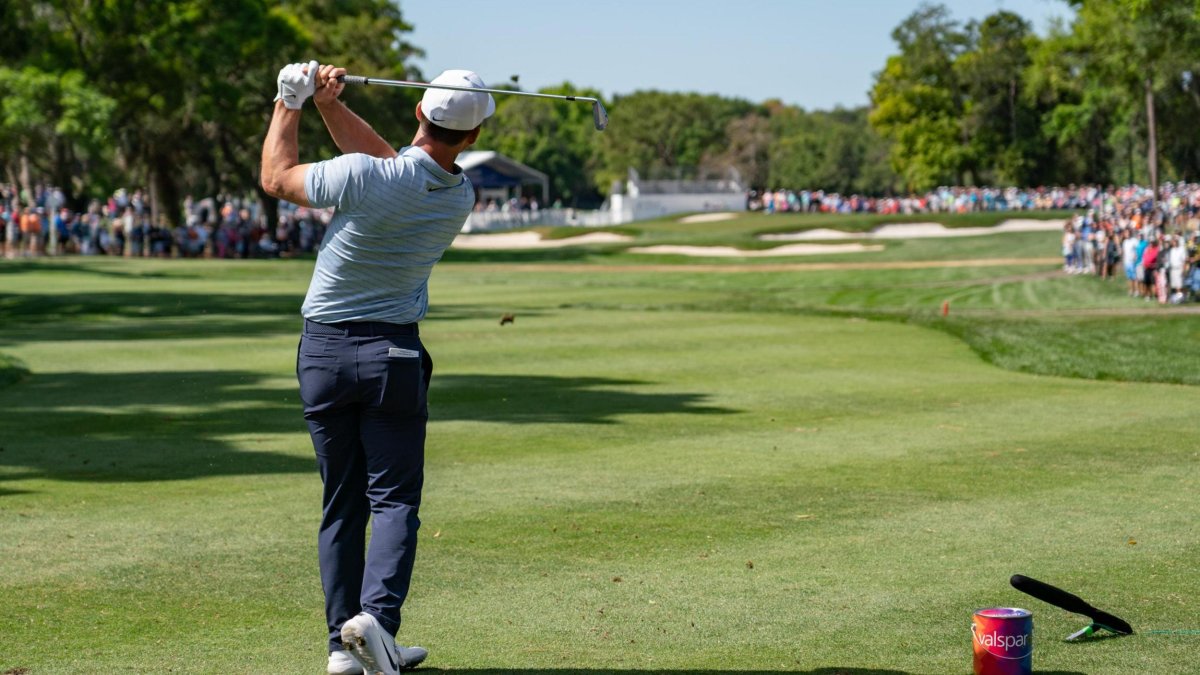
[454,109]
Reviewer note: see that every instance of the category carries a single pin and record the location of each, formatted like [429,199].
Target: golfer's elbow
[271,184]
[286,184]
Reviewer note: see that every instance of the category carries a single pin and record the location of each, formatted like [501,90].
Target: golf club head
[599,115]
[1114,623]
[1082,634]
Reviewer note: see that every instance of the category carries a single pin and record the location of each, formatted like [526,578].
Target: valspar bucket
[1003,638]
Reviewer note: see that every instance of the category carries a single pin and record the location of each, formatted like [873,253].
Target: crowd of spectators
[1153,241]
[215,227]
[973,199]
[1153,244]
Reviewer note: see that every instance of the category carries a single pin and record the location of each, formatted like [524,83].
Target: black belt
[360,328]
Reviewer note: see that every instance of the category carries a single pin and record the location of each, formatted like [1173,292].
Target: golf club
[1072,603]
[599,114]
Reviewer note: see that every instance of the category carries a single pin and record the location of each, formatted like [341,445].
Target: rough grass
[1117,348]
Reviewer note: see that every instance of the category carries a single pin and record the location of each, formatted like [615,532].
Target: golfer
[363,371]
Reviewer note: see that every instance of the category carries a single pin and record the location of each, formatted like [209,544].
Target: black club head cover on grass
[1072,603]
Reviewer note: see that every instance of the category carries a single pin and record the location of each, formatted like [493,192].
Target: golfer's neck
[441,153]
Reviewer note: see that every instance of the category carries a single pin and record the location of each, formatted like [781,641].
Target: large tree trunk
[1153,139]
[1012,111]
[62,170]
[1129,155]
[60,177]
[155,211]
[26,183]
[270,204]
[164,194]
[8,173]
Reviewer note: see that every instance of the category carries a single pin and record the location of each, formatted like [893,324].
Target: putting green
[639,475]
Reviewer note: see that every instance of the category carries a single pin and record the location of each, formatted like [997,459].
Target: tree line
[176,96]
[1109,98]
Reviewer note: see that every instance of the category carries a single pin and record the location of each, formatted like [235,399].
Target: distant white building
[497,179]
[646,199]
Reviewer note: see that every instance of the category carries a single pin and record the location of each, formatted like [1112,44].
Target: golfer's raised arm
[282,174]
[350,132]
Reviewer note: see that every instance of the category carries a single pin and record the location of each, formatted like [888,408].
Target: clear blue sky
[812,53]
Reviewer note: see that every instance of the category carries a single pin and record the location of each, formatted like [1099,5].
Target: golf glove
[295,85]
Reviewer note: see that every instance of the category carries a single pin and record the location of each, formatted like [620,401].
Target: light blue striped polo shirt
[392,221]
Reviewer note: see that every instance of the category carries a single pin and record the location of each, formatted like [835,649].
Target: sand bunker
[731,252]
[919,231]
[519,240]
[708,217]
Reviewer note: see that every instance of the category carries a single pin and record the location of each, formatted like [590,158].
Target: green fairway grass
[657,468]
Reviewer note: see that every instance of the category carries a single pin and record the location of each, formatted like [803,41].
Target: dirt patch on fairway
[920,231]
[731,252]
[532,240]
[708,217]
[690,268]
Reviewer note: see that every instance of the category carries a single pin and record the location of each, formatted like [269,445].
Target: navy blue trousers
[364,387]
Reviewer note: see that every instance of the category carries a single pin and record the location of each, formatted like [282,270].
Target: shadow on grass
[134,426]
[141,305]
[81,266]
[141,426]
[666,671]
[11,370]
[148,315]
[537,399]
[831,670]
[561,254]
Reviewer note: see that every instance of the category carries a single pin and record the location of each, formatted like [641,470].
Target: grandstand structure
[642,199]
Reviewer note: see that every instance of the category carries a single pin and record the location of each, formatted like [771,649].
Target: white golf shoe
[342,662]
[375,649]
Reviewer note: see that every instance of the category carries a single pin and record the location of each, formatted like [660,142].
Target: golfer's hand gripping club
[296,82]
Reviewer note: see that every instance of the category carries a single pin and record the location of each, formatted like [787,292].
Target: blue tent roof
[490,169]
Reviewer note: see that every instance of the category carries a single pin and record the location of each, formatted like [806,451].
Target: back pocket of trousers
[403,385]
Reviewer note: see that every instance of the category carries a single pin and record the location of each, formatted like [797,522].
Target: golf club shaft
[358,79]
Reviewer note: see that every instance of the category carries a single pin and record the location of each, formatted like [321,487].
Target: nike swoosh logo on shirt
[434,188]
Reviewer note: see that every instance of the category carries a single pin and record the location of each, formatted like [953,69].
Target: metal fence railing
[492,221]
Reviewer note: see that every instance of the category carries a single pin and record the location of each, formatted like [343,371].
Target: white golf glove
[295,85]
